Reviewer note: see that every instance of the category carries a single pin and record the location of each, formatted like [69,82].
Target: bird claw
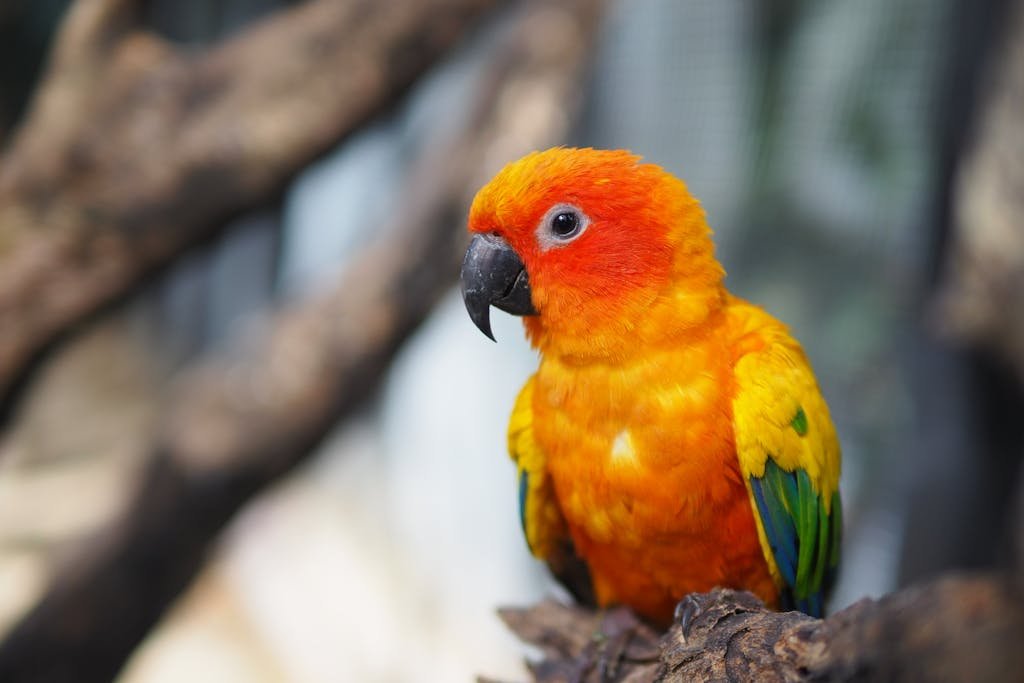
[687,610]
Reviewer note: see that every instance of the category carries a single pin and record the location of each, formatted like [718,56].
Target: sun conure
[673,438]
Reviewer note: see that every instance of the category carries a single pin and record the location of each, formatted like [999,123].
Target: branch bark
[134,149]
[240,420]
[960,628]
[980,296]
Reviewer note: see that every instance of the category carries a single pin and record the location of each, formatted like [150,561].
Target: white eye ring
[562,224]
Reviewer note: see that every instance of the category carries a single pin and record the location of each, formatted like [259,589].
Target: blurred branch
[240,420]
[953,629]
[984,280]
[10,10]
[133,149]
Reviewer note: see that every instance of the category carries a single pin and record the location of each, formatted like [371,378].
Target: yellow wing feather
[773,384]
[779,416]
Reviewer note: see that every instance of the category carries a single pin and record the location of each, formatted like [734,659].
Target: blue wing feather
[802,536]
[779,528]
[524,488]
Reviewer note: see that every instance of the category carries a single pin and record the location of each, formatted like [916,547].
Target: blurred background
[183,181]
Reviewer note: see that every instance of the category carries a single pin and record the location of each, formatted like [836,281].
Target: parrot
[673,438]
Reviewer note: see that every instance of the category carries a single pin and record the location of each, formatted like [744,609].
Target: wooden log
[134,149]
[958,628]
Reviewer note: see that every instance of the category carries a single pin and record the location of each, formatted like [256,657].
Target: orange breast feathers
[642,460]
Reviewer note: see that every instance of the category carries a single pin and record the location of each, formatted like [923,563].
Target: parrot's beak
[494,275]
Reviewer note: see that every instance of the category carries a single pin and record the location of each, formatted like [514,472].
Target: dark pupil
[565,224]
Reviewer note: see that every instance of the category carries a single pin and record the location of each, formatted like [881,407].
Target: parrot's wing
[543,524]
[789,455]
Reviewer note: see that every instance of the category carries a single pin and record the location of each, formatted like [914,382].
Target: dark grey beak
[494,275]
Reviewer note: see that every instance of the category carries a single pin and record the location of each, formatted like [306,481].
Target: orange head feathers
[603,239]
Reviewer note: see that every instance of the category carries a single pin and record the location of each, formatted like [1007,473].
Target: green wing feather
[802,532]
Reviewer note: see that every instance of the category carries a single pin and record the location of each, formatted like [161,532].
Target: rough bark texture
[134,149]
[963,628]
[240,420]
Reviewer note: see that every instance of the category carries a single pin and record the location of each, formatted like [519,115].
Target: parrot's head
[601,253]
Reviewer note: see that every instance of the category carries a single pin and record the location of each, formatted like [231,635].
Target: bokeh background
[827,140]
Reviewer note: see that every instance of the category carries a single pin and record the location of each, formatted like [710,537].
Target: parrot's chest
[639,453]
[645,472]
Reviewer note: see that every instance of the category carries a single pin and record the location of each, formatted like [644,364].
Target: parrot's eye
[565,224]
[561,224]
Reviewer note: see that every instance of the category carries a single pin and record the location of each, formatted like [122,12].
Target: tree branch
[980,297]
[240,420]
[134,150]
[963,628]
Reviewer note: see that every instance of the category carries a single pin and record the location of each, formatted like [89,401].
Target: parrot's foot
[609,648]
[687,610]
